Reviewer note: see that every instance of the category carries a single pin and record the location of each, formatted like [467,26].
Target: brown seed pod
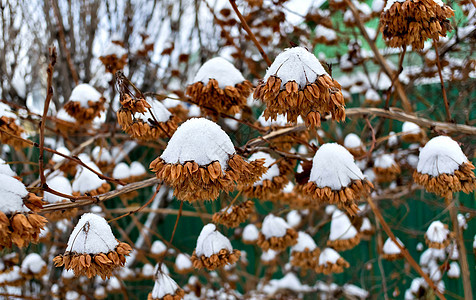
[305,259]
[85,114]
[10,130]
[235,215]
[278,243]
[330,262]
[412,22]
[20,229]
[222,258]
[341,245]
[113,63]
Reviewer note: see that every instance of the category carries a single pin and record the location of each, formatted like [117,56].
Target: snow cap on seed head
[328,255]
[5,169]
[437,232]
[304,241]
[12,192]
[333,166]
[92,235]
[83,93]
[164,285]
[199,140]
[341,227]
[58,183]
[210,241]
[274,226]
[295,64]
[389,247]
[221,70]
[441,155]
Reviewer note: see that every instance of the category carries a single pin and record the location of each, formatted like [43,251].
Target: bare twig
[49,95]
[443,90]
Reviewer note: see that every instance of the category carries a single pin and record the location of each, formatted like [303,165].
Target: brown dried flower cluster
[83,114]
[112,63]
[234,216]
[267,189]
[102,264]
[104,188]
[305,259]
[179,294]
[342,245]
[445,185]
[278,243]
[9,129]
[218,260]
[344,198]
[62,214]
[414,21]
[332,268]
[20,229]
[413,137]
[387,174]
[392,257]
[229,100]
[314,101]
[437,245]
[192,182]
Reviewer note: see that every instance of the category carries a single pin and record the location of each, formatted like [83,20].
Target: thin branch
[49,95]
[443,90]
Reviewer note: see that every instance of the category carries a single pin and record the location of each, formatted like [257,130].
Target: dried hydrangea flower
[114,58]
[235,215]
[412,22]
[305,253]
[438,236]
[92,249]
[296,84]
[60,184]
[165,288]
[18,223]
[292,195]
[276,234]
[272,181]
[33,266]
[390,250]
[343,235]
[9,123]
[213,250]
[386,168]
[411,133]
[336,179]
[250,234]
[443,169]
[200,161]
[183,264]
[220,86]
[151,122]
[353,143]
[285,142]
[87,182]
[330,262]
[85,103]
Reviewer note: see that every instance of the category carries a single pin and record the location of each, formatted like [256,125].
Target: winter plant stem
[404,251]
[49,95]
[463,259]
[443,90]
[250,33]
[395,77]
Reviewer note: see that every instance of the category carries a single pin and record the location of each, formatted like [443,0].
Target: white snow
[322,31]
[160,112]
[392,139]
[121,171]
[32,263]
[63,115]
[410,128]
[441,155]
[355,291]
[366,225]
[60,184]
[454,271]
[221,70]
[281,121]
[148,270]
[137,169]
[114,49]
[333,166]
[271,172]
[158,247]
[378,5]
[295,64]
[453,252]
[92,235]
[293,218]
[431,255]
[101,154]
[199,140]
[10,276]
[330,209]
[85,180]
[210,241]
[341,227]
[12,192]
[437,232]
[183,262]
[328,255]
[6,111]
[385,161]
[5,169]
[352,141]
[274,226]
[269,255]
[372,95]
[63,150]
[304,242]
[250,233]
[389,247]
[164,285]
[83,93]
[288,282]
